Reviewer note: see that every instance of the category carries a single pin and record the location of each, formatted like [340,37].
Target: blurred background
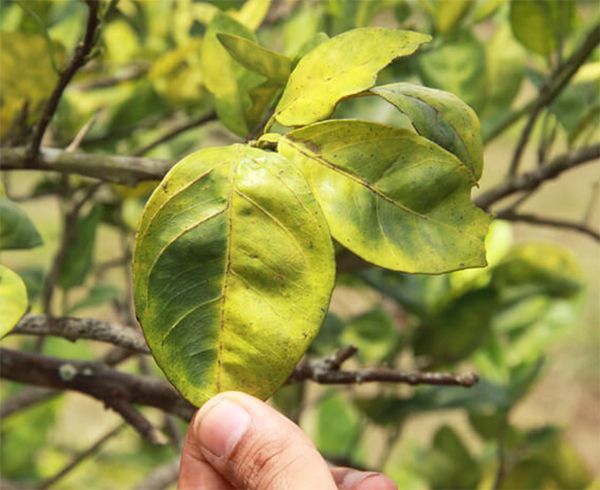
[529,323]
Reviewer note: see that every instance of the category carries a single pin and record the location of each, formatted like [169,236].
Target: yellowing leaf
[225,78]
[341,66]
[233,269]
[253,13]
[440,117]
[13,299]
[448,14]
[390,196]
[257,58]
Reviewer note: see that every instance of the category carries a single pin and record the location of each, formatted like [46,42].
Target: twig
[533,179]
[24,399]
[137,420]
[94,379]
[551,90]
[589,210]
[83,328]
[128,73]
[81,457]
[109,168]
[161,477]
[176,131]
[82,133]
[80,58]
[550,222]
[68,235]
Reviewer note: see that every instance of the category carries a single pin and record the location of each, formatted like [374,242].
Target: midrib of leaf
[362,182]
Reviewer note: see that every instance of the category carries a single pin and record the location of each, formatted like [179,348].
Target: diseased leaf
[541,25]
[233,269]
[225,78]
[16,229]
[257,58]
[440,117]
[390,196]
[457,66]
[341,66]
[13,299]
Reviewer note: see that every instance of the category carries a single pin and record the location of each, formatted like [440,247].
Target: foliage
[362,146]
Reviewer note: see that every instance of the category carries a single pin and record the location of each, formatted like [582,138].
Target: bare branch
[83,328]
[80,58]
[532,180]
[176,131]
[94,379]
[551,90]
[110,168]
[24,399]
[550,222]
[82,133]
[137,420]
[131,72]
[81,457]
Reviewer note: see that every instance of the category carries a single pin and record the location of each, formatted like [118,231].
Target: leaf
[342,66]
[97,296]
[16,229]
[252,13]
[448,14]
[338,426]
[541,25]
[233,269]
[13,300]
[457,66]
[390,196]
[506,63]
[374,333]
[440,117]
[225,78]
[79,256]
[257,58]
[302,28]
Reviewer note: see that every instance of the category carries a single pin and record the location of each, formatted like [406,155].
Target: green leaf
[13,299]
[390,196]
[374,333]
[338,426]
[233,269]
[97,296]
[342,66]
[257,58]
[225,78]
[440,117]
[457,66]
[16,229]
[506,64]
[541,25]
[78,260]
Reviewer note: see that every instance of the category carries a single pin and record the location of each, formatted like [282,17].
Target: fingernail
[353,478]
[220,426]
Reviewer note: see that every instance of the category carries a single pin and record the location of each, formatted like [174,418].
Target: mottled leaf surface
[233,269]
[341,66]
[440,117]
[390,196]
[13,299]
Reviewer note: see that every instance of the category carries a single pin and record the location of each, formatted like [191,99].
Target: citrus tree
[276,197]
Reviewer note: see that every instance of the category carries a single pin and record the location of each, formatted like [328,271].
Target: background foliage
[527,323]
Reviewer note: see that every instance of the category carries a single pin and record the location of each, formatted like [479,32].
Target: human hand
[238,442]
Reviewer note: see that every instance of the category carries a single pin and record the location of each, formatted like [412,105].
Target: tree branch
[110,168]
[533,179]
[550,222]
[83,328]
[94,379]
[160,478]
[176,131]
[80,58]
[24,399]
[552,89]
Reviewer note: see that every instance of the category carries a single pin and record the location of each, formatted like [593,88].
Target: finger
[195,473]
[351,479]
[254,447]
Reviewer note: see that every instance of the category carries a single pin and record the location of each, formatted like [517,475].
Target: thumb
[251,446]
